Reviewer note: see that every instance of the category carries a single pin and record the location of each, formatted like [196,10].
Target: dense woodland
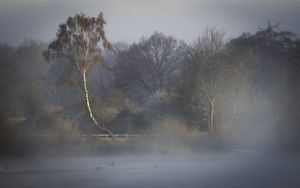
[249,84]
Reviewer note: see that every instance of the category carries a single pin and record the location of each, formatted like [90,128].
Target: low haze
[167,93]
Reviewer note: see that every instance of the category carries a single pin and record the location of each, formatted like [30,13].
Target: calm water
[229,170]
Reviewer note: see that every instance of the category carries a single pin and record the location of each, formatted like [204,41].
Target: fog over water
[169,93]
[223,170]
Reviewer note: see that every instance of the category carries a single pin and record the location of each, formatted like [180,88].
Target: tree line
[214,85]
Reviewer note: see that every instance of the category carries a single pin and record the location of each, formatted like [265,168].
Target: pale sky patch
[129,20]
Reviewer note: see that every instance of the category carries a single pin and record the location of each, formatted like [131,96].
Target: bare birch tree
[207,53]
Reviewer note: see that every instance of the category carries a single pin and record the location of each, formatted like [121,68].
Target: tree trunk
[236,101]
[234,110]
[212,113]
[87,100]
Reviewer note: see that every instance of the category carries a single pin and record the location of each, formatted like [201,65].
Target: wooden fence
[121,136]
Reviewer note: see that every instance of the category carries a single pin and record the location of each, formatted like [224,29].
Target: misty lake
[224,170]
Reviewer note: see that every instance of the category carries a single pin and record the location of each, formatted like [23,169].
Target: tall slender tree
[207,56]
[80,42]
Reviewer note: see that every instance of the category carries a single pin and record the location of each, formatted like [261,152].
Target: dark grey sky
[128,20]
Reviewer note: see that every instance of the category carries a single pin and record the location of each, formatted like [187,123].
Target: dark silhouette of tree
[149,66]
[273,75]
[78,42]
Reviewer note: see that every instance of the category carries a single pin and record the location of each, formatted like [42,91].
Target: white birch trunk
[87,100]
[212,113]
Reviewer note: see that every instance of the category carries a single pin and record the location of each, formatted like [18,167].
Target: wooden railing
[121,136]
[117,136]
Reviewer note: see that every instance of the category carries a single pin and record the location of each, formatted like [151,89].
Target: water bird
[112,164]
